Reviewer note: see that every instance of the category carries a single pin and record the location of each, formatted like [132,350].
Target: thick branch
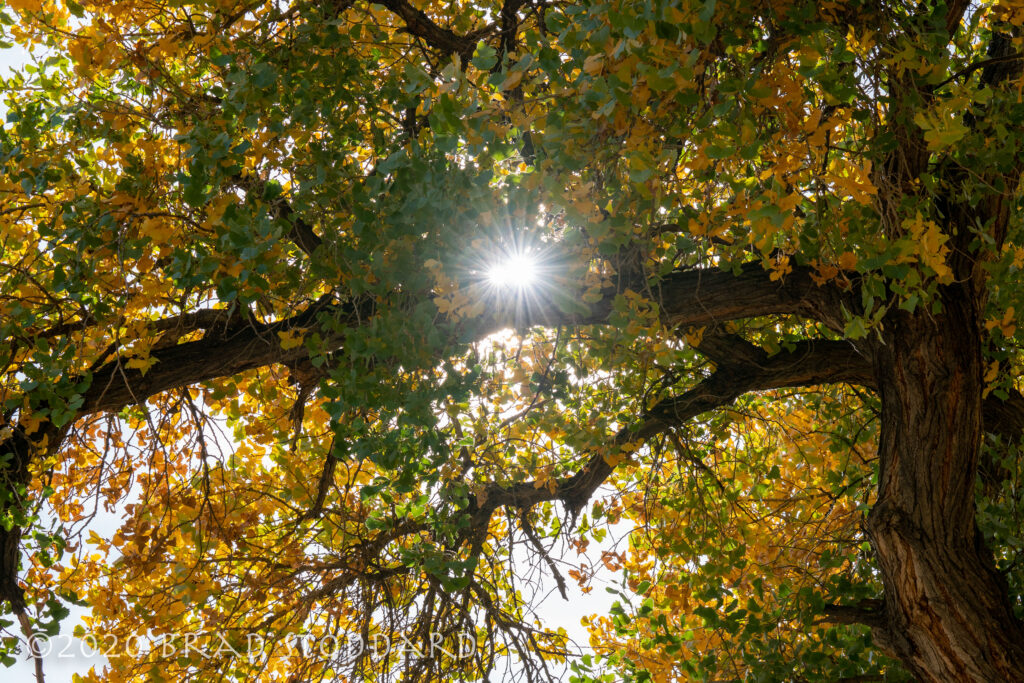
[810,363]
[867,612]
[1004,418]
[691,298]
[422,26]
[954,13]
[219,355]
[699,297]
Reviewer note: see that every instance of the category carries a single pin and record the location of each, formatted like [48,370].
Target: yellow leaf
[157,229]
[511,81]
[1006,325]
[813,121]
[142,364]
[992,372]
[848,260]
[215,210]
[291,338]
[472,310]
[25,5]
[593,64]
[694,336]
[614,457]
[444,305]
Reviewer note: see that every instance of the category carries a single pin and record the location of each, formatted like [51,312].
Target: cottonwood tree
[767,261]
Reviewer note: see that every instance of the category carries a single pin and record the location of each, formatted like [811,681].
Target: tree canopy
[766,262]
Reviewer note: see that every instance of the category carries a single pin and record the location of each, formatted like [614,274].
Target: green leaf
[484,57]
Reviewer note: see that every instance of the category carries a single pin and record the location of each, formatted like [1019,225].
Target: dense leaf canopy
[245,306]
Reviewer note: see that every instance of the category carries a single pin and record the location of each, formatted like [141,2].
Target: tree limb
[422,26]
[694,298]
[867,612]
[810,363]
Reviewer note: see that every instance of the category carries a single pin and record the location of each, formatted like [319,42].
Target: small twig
[524,520]
[967,71]
[682,449]
[33,643]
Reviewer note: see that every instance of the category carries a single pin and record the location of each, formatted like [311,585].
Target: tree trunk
[946,612]
[15,457]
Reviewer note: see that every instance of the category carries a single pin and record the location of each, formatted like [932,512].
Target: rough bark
[946,613]
[233,345]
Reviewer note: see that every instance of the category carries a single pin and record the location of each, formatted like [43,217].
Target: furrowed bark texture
[946,613]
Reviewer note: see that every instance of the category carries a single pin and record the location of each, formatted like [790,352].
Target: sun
[513,271]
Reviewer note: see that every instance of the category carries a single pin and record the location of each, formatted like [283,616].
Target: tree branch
[1002,417]
[867,612]
[422,26]
[244,348]
[810,363]
[691,298]
[698,297]
[301,233]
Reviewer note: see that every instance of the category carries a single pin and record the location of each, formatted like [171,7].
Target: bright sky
[517,273]
[59,666]
[9,58]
